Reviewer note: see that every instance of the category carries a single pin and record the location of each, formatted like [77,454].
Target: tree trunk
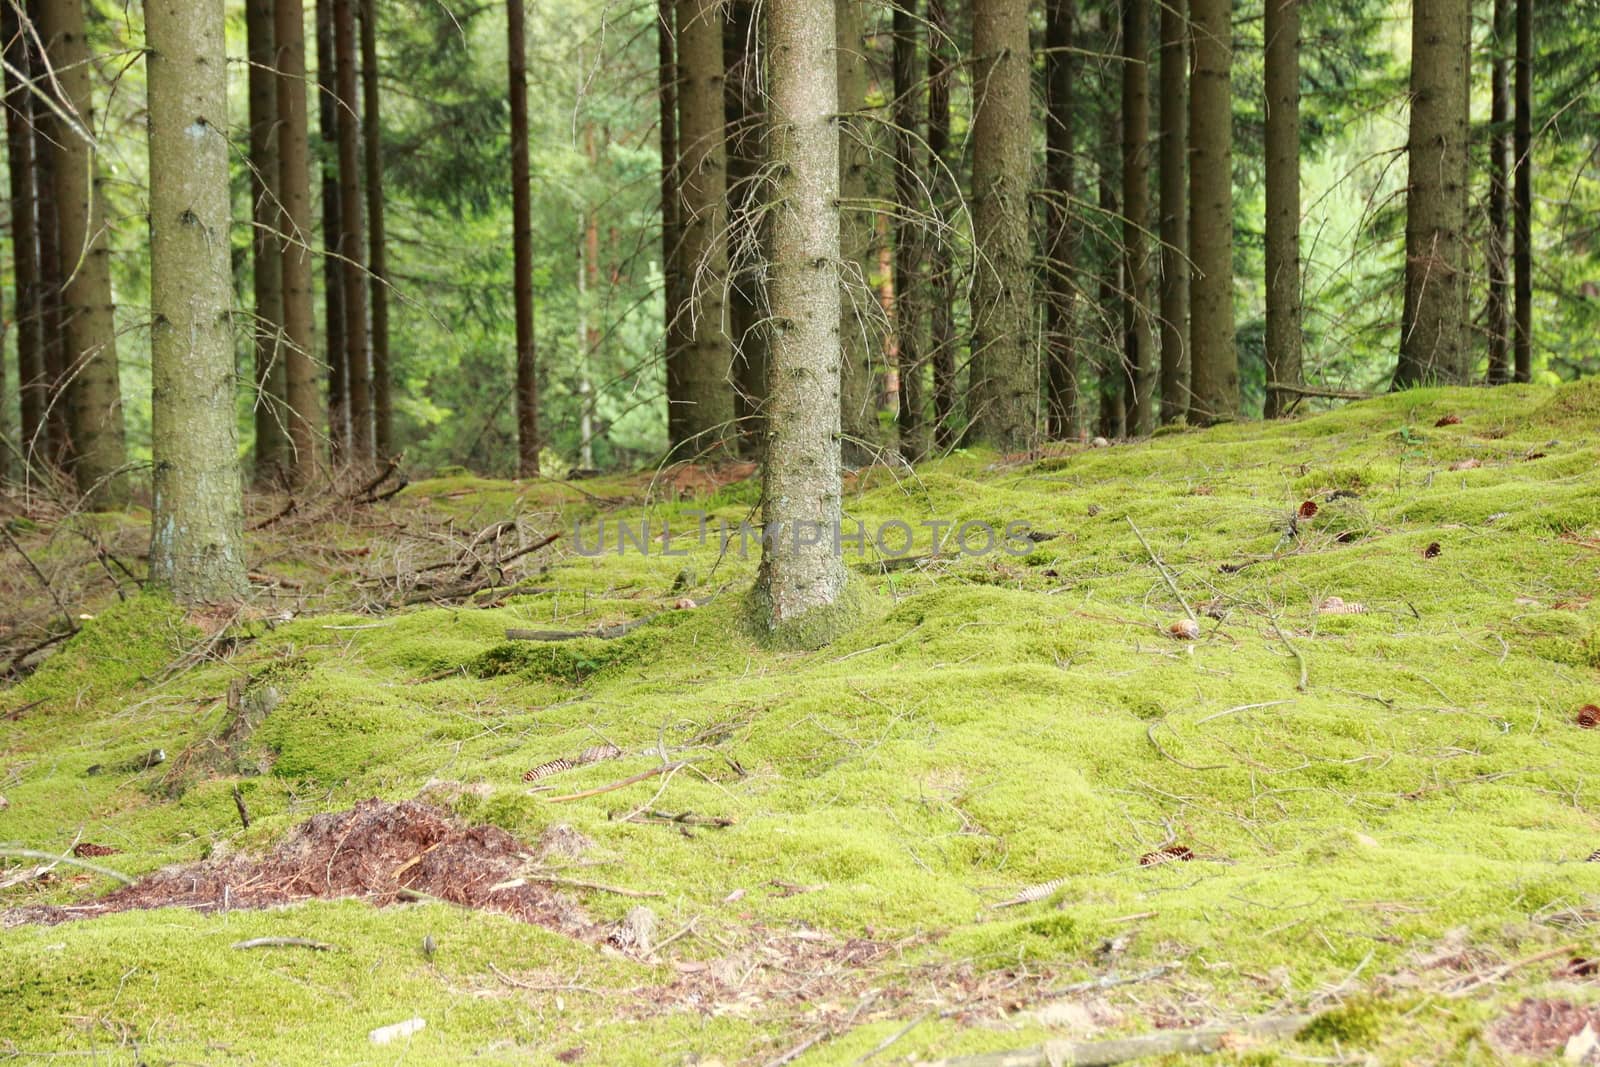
[800,590]
[675,336]
[377,239]
[1497,311]
[910,301]
[1113,275]
[1141,351]
[941,352]
[1522,149]
[1002,390]
[196,544]
[352,239]
[522,246]
[265,250]
[856,236]
[294,249]
[1282,30]
[747,154]
[1432,334]
[1060,293]
[1214,360]
[706,397]
[32,385]
[1174,193]
[89,331]
[333,298]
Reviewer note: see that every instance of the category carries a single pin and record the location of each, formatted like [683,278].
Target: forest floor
[1015,804]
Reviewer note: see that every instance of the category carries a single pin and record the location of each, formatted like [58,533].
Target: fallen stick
[1320,393]
[1123,1049]
[598,887]
[641,776]
[283,942]
[1162,567]
[35,854]
[1496,973]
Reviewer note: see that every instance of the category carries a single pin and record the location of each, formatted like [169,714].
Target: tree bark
[800,589]
[196,544]
[377,236]
[1522,149]
[1140,356]
[1060,294]
[941,352]
[333,298]
[1432,334]
[32,385]
[747,153]
[294,237]
[675,339]
[909,298]
[1002,389]
[1214,360]
[1282,30]
[89,332]
[706,396]
[265,250]
[857,237]
[352,239]
[1113,420]
[1174,195]
[522,245]
[1497,312]
[57,397]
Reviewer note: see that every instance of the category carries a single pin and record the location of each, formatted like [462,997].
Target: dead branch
[1319,392]
[283,942]
[1162,567]
[640,777]
[68,858]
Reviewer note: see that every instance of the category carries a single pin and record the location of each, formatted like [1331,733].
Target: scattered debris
[1123,1049]
[636,933]
[684,603]
[1185,630]
[130,766]
[1466,464]
[592,754]
[1432,551]
[1594,857]
[1033,893]
[87,848]
[1099,442]
[1449,420]
[384,1035]
[1580,967]
[1336,606]
[1538,1027]
[1166,855]
[1588,717]
[1308,509]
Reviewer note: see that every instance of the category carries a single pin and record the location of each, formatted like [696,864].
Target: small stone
[1099,442]
[684,603]
[384,1035]
[1185,630]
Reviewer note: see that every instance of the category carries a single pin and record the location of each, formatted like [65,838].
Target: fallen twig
[68,858]
[1494,974]
[284,942]
[1162,567]
[573,883]
[641,776]
[1123,1049]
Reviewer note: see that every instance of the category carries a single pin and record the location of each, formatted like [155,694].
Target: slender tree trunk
[88,314]
[1497,313]
[746,155]
[909,299]
[1214,363]
[1282,30]
[522,246]
[1061,258]
[800,591]
[295,236]
[352,239]
[1113,276]
[1141,350]
[856,236]
[377,237]
[58,399]
[1003,381]
[675,339]
[707,396]
[333,297]
[196,544]
[32,385]
[1174,193]
[1522,149]
[265,249]
[1432,333]
[941,267]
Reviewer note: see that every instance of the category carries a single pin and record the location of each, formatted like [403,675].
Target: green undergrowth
[989,724]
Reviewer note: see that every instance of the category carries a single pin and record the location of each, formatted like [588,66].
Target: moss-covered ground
[1398,843]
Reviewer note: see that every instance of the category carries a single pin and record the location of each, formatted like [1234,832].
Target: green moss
[126,644]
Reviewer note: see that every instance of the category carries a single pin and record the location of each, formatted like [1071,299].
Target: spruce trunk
[1283,202]
[1174,195]
[295,235]
[1214,359]
[352,240]
[1061,349]
[857,238]
[1522,150]
[32,385]
[527,376]
[941,352]
[910,301]
[265,251]
[747,152]
[377,235]
[1140,354]
[333,299]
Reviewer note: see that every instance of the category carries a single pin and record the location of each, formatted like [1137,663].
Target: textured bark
[856,236]
[32,386]
[1060,338]
[89,333]
[1282,29]
[352,239]
[333,299]
[941,352]
[1113,420]
[1214,359]
[522,245]
[910,300]
[196,543]
[294,251]
[57,400]
[1174,194]
[1002,388]
[1497,312]
[1140,355]
[747,153]
[1432,331]
[705,394]
[265,250]
[801,584]
[1522,149]
[377,238]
